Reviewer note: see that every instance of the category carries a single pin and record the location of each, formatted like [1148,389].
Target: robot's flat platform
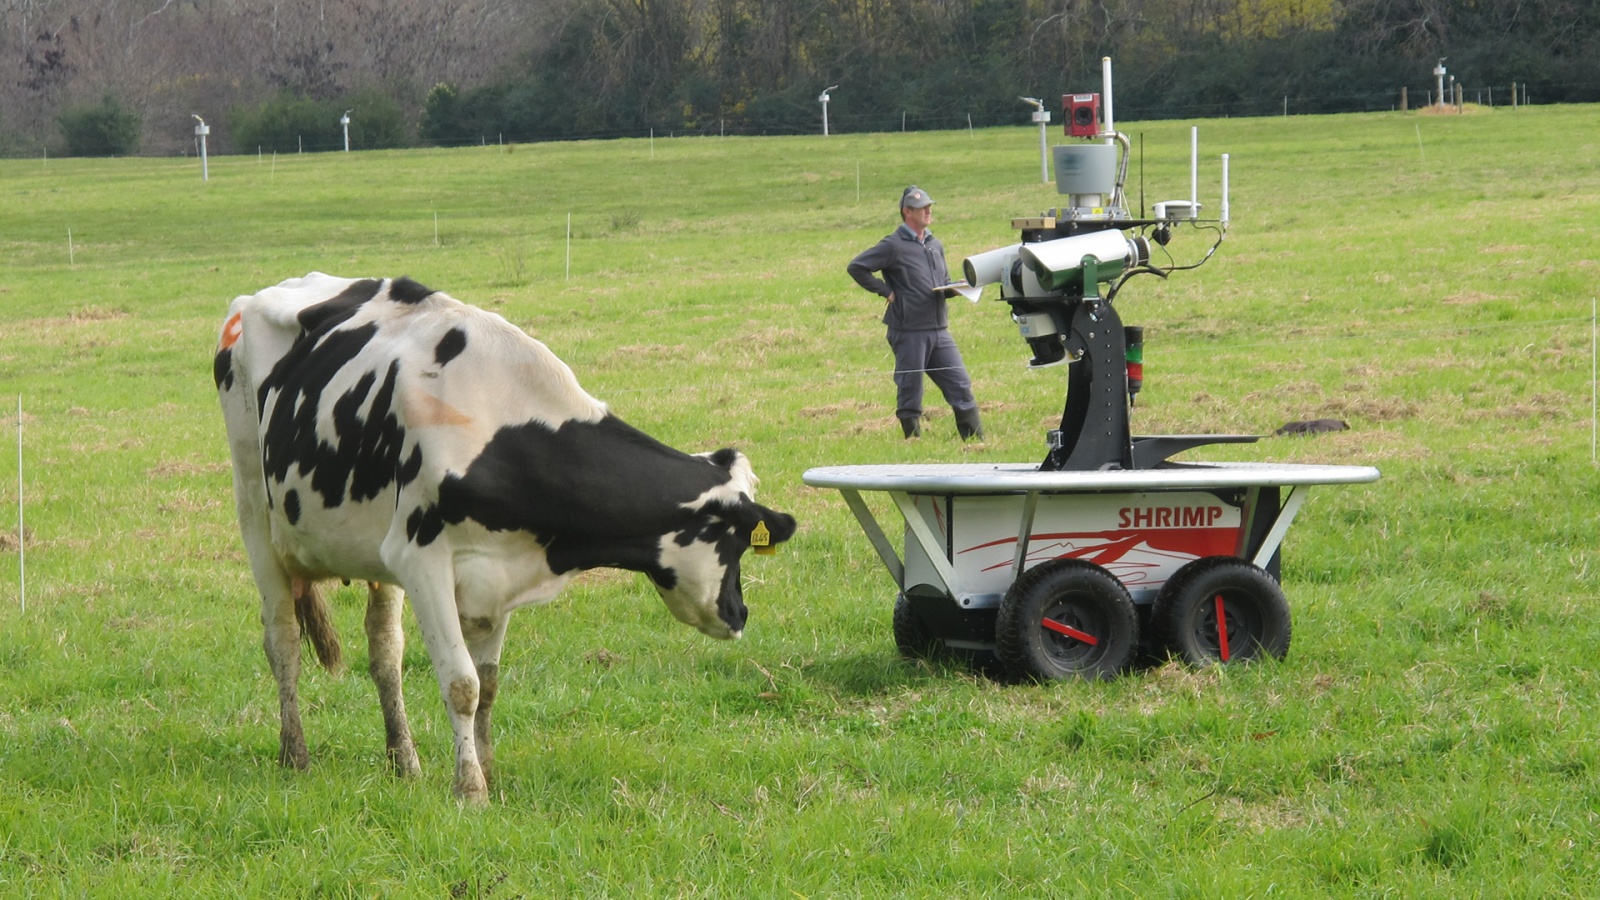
[1006,478]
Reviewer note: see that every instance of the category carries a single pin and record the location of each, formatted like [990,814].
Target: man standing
[913,267]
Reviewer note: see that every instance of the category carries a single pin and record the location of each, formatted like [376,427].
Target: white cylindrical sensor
[1059,263]
[1086,168]
[990,267]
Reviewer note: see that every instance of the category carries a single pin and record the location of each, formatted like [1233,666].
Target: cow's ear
[781,526]
[725,458]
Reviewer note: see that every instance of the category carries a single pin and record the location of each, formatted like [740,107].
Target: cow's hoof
[403,760]
[292,754]
[471,789]
[477,798]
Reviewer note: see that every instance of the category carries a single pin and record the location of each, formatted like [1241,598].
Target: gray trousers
[931,353]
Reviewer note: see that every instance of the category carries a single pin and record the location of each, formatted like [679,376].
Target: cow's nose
[721,631]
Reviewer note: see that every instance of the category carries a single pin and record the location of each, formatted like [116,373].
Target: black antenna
[1141,174]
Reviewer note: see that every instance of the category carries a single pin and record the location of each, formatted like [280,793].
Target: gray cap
[914,197]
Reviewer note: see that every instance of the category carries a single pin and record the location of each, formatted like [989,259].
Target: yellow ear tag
[761,540]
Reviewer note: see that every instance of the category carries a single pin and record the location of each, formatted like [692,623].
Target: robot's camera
[1081,113]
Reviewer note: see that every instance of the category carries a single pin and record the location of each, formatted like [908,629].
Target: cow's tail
[316,625]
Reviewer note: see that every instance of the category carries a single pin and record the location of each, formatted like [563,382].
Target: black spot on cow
[639,553]
[222,369]
[291,506]
[411,468]
[450,346]
[332,312]
[424,526]
[365,456]
[298,379]
[404,290]
[587,479]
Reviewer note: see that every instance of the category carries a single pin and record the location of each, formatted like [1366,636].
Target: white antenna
[1105,91]
[823,99]
[1224,190]
[200,131]
[1194,171]
[344,122]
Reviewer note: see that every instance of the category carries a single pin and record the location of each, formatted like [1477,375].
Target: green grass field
[1433,731]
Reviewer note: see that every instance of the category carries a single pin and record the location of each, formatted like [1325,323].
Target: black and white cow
[386,432]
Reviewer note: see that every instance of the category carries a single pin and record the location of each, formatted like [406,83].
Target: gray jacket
[911,269]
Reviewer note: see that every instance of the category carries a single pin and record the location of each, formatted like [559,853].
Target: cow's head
[697,570]
[698,574]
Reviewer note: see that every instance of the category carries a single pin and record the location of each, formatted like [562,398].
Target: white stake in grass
[22,558]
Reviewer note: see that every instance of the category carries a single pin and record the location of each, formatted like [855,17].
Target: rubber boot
[968,424]
[912,426]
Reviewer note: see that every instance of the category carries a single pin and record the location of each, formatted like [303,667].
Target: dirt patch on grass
[1373,409]
[1261,817]
[1468,298]
[175,469]
[97,314]
[1546,405]
[831,409]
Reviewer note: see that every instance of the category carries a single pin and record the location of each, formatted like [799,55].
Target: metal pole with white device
[200,132]
[823,99]
[1041,116]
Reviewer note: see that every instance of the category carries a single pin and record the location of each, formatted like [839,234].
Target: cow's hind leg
[485,637]
[386,644]
[281,639]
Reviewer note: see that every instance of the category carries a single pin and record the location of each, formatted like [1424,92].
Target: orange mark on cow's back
[422,408]
[231,331]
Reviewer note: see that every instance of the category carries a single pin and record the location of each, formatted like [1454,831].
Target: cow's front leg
[433,601]
[386,644]
[485,636]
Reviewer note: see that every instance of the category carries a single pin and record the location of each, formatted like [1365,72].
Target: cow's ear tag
[761,540]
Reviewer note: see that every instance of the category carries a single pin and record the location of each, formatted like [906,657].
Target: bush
[286,124]
[376,120]
[103,129]
[289,123]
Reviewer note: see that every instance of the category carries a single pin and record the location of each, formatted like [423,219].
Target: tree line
[127,76]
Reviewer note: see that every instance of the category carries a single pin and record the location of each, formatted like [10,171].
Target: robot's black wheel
[1221,609]
[911,637]
[1066,619]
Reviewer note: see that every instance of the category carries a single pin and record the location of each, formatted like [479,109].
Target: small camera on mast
[1080,114]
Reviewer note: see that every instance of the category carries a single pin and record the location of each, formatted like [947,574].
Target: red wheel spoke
[1222,630]
[1070,632]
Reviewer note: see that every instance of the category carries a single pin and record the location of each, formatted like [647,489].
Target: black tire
[911,637]
[1066,619]
[1254,613]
